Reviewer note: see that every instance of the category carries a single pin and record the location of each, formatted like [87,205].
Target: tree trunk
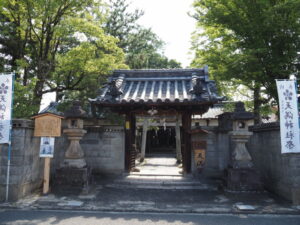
[257,102]
[38,95]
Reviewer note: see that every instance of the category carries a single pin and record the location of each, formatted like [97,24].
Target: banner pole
[9,143]
[8,172]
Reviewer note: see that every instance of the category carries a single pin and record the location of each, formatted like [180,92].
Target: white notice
[6,91]
[289,120]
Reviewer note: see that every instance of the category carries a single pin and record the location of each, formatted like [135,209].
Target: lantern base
[68,179]
[243,180]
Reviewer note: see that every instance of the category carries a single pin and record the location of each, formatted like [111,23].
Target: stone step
[155,182]
[162,182]
[163,187]
[138,175]
[148,179]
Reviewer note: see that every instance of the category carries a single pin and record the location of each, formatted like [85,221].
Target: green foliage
[23,95]
[56,46]
[248,42]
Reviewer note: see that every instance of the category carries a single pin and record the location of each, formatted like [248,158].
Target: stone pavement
[162,164]
[153,190]
[105,197]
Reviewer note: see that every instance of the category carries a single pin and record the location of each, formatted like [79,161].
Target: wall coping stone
[22,123]
[113,129]
[265,127]
[104,128]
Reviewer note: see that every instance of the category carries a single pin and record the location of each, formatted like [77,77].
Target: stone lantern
[241,175]
[74,156]
[240,136]
[74,172]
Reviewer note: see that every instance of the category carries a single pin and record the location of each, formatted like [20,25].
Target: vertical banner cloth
[289,121]
[6,89]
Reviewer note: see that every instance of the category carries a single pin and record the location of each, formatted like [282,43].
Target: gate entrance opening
[161,140]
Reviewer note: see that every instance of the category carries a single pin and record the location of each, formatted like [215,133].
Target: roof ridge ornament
[114,88]
[198,88]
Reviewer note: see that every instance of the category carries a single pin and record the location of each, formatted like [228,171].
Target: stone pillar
[144,139]
[178,141]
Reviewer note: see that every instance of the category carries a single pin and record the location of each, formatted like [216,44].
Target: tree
[55,46]
[143,48]
[249,42]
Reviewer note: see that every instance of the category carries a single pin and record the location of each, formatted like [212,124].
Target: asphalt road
[23,217]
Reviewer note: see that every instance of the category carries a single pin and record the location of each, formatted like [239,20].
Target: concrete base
[73,178]
[243,180]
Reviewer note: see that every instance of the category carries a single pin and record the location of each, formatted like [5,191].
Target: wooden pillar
[130,148]
[186,156]
[144,139]
[133,146]
[46,175]
[178,140]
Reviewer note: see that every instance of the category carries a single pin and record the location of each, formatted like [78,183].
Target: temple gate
[167,92]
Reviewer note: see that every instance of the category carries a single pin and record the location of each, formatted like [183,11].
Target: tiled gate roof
[158,86]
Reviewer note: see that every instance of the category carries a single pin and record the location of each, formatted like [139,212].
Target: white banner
[289,121]
[6,91]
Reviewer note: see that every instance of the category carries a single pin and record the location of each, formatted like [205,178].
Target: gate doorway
[157,146]
[161,140]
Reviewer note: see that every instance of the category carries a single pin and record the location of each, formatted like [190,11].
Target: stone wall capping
[265,127]
[22,123]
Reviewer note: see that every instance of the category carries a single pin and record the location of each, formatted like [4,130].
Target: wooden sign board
[199,148]
[47,125]
[199,158]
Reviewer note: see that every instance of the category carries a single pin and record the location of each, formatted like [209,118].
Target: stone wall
[280,172]
[217,152]
[103,148]
[26,169]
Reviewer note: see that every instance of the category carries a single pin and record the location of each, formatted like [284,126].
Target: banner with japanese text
[289,120]
[6,92]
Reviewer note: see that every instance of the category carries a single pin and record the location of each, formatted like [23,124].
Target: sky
[169,19]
